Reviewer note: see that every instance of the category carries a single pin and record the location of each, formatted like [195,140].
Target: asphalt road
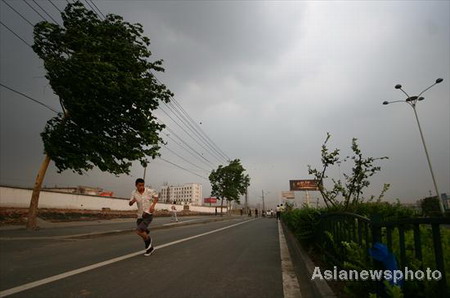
[241,260]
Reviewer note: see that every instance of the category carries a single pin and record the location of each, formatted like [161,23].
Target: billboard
[303,185]
[288,195]
[210,200]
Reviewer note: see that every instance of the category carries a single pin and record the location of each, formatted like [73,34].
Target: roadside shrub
[302,222]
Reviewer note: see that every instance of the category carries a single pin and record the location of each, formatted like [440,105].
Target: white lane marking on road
[178,222]
[291,288]
[53,278]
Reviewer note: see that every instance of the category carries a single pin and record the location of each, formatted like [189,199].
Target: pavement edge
[304,267]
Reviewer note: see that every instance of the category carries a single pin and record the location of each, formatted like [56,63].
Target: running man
[143,198]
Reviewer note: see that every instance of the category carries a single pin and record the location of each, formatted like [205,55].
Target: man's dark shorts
[142,223]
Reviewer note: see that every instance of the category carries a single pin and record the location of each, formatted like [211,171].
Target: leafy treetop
[352,188]
[100,71]
[229,181]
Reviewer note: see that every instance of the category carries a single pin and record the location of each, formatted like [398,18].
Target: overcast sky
[265,81]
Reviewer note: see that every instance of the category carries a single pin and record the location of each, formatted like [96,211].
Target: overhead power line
[53,110]
[213,150]
[189,124]
[182,168]
[45,11]
[200,129]
[190,151]
[97,8]
[15,34]
[173,152]
[26,2]
[196,154]
[26,20]
[175,106]
[57,8]
[92,8]
[30,98]
[200,155]
[183,129]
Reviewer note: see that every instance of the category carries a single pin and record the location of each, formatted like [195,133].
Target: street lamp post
[263,204]
[412,101]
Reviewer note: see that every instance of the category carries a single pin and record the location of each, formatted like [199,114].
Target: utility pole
[263,207]
[246,200]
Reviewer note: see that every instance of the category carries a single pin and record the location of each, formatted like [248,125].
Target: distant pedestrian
[143,196]
[242,211]
[256,212]
[278,209]
[215,213]
[249,212]
[173,209]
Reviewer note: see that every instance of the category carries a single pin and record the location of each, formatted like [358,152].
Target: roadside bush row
[304,223]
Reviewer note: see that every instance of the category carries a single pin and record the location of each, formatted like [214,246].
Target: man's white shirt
[143,200]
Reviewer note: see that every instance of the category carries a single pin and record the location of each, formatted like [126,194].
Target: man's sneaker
[148,243]
[149,251]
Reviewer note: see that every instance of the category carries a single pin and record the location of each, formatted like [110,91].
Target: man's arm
[132,200]
[152,206]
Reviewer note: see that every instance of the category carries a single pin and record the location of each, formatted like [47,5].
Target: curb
[304,268]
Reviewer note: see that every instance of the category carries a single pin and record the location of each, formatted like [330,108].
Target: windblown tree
[430,207]
[101,73]
[229,182]
[351,189]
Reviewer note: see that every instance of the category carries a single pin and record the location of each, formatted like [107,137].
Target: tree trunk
[221,206]
[32,212]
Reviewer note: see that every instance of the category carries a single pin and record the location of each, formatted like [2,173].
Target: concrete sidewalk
[95,228]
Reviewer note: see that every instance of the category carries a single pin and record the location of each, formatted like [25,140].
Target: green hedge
[304,223]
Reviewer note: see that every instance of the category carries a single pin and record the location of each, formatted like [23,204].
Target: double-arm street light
[264,193]
[412,101]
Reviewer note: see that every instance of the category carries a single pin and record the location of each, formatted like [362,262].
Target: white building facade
[188,194]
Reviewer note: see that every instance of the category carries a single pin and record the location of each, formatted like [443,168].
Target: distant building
[188,194]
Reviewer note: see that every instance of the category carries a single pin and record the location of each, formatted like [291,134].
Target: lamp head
[385,102]
[439,80]
[412,98]
[398,86]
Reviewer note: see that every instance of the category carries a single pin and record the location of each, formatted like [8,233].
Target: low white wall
[12,197]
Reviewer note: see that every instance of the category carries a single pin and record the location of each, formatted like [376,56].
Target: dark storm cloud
[268,80]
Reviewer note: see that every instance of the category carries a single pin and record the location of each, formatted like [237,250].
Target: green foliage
[351,189]
[100,71]
[229,181]
[302,222]
[423,288]
[305,223]
[393,291]
[382,211]
[430,207]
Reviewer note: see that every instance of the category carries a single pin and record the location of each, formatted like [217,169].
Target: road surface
[238,257]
